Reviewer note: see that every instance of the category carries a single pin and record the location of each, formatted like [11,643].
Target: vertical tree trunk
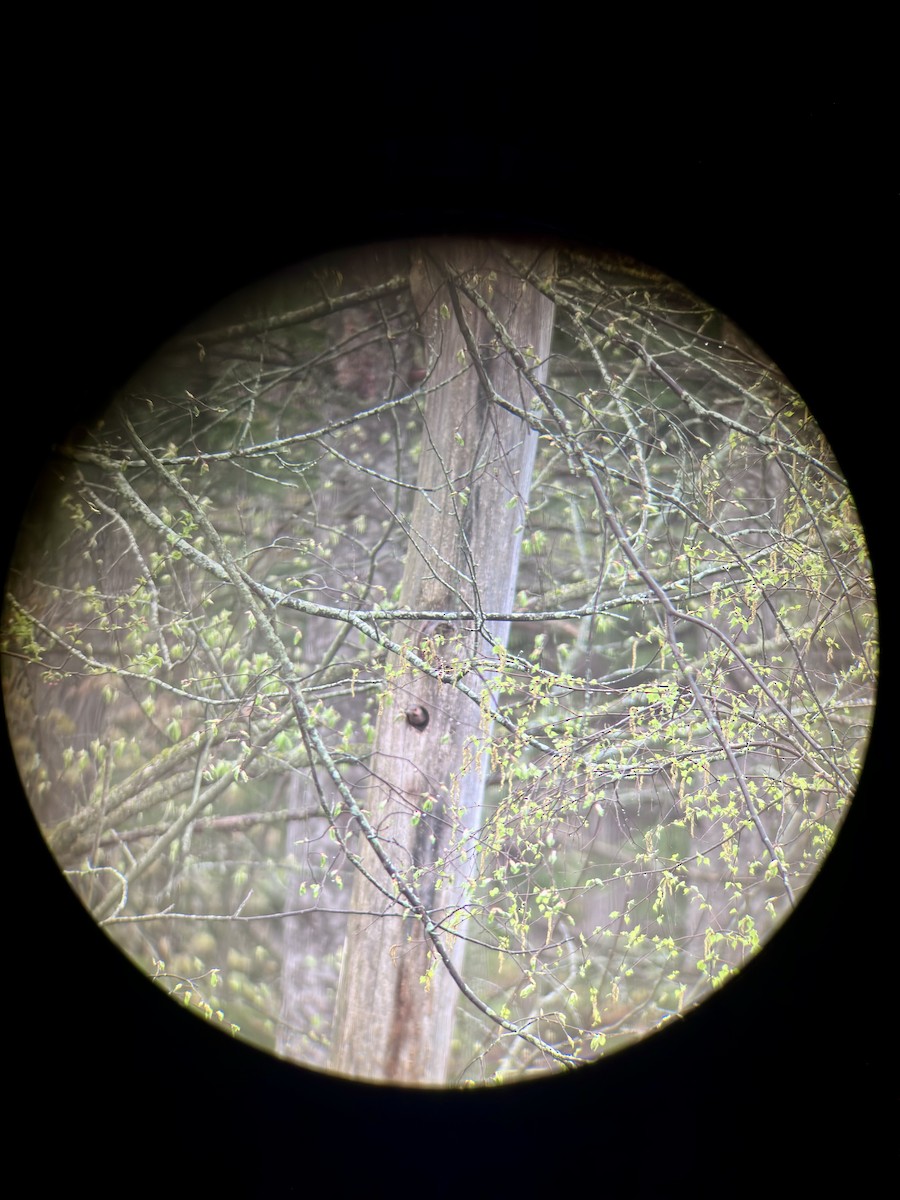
[396,1000]
[364,373]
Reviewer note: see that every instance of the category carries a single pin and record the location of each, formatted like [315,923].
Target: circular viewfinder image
[446,663]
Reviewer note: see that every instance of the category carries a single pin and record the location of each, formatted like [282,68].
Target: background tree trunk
[396,1001]
[379,350]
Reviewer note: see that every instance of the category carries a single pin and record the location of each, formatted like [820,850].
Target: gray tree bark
[367,371]
[396,1000]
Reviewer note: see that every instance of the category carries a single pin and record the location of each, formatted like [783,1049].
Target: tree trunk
[396,1000]
[365,372]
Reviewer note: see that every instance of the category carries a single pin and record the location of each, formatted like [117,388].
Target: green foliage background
[673,735]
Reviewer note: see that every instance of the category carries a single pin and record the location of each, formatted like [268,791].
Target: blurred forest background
[670,734]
